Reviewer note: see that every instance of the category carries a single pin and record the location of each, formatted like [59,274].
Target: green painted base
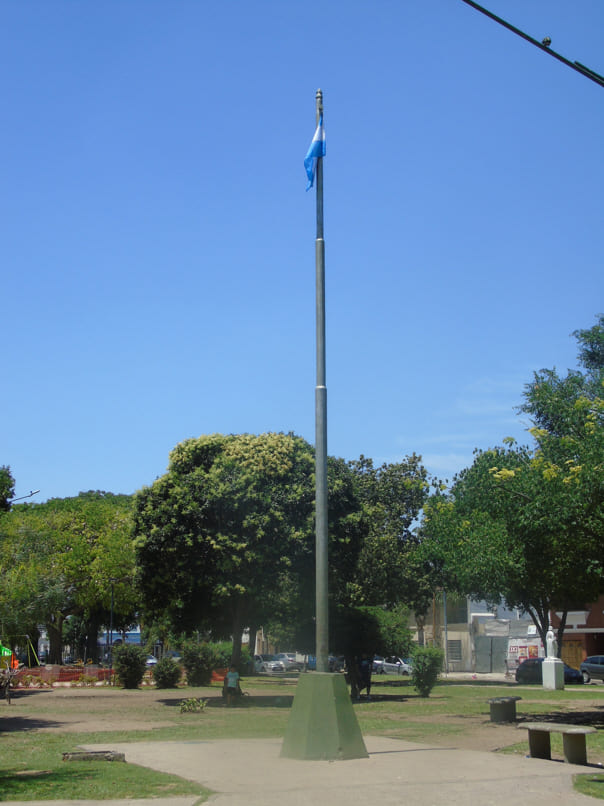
[322,724]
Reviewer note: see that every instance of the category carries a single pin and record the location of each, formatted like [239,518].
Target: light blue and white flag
[316,150]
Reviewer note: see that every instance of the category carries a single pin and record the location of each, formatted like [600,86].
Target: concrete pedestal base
[322,724]
[553,674]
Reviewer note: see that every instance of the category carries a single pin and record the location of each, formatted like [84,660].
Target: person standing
[231,681]
[365,669]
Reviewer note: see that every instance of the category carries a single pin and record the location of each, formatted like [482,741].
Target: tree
[527,525]
[7,488]
[391,497]
[225,539]
[61,558]
[562,406]
[219,534]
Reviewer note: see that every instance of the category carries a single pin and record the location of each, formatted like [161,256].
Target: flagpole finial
[319,100]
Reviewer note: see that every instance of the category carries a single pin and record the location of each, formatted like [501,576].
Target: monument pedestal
[553,674]
[322,724]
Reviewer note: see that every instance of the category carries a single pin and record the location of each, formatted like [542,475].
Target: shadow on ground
[593,718]
[14,724]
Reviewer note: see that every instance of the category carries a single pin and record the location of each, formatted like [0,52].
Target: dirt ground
[74,710]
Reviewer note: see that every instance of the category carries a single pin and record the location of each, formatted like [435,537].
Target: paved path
[250,772]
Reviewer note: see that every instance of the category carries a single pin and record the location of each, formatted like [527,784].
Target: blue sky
[158,243]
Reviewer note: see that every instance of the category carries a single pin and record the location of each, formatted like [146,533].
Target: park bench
[503,709]
[573,738]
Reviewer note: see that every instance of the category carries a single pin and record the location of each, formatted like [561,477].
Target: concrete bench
[573,738]
[503,709]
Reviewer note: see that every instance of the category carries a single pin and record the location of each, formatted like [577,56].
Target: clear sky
[158,244]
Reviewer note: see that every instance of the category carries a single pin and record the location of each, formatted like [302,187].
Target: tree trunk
[54,628]
[253,633]
[560,632]
[92,634]
[237,632]
[420,620]
[541,622]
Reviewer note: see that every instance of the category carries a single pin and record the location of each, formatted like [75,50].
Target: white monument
[553,668]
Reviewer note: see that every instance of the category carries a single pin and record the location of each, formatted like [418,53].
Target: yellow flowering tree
[526,525]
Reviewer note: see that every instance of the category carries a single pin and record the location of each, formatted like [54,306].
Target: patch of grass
[591,784]
[33,769]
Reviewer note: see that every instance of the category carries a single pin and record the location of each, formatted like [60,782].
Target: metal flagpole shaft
[322,626]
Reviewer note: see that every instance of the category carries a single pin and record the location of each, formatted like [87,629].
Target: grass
[31,766]
[590,784]
[32,769]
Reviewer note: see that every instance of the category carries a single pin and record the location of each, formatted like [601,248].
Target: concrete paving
[250,772]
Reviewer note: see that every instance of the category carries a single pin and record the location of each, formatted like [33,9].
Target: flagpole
[322,723]
[321,559]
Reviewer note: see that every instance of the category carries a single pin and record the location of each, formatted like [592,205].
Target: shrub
[166,673]
[129,663]
[199,660]
[427,663]
[85,680]
[192,705]
[222,654]
[223,651]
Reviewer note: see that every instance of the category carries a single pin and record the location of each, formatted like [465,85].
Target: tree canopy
[225,539]
[391,497]
[218,534]
[61,558]
[527,524]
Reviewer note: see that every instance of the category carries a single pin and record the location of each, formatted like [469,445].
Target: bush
[222,654]
[199,660]
[427,663]
[166,673]
[129,664]
[192,705]
[223,651]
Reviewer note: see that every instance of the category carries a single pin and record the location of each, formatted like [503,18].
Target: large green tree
[219,534]
[527,524]
[378,574]
[61,558]
[391,497]
[225,539]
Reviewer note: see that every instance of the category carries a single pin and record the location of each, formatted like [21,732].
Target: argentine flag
[316,150]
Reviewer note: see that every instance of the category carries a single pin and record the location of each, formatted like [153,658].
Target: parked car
[378,662]
[334,664]
[151,660]
[268,664]
[395,665]
[592,667]
[288,659]
[390,665]
[530,671]
[337,664]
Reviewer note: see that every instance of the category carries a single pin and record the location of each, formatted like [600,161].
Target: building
[476,638]
[583,634]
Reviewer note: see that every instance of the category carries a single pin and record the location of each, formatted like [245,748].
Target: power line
[544,45]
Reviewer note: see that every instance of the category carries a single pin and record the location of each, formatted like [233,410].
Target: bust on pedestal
[552,666]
